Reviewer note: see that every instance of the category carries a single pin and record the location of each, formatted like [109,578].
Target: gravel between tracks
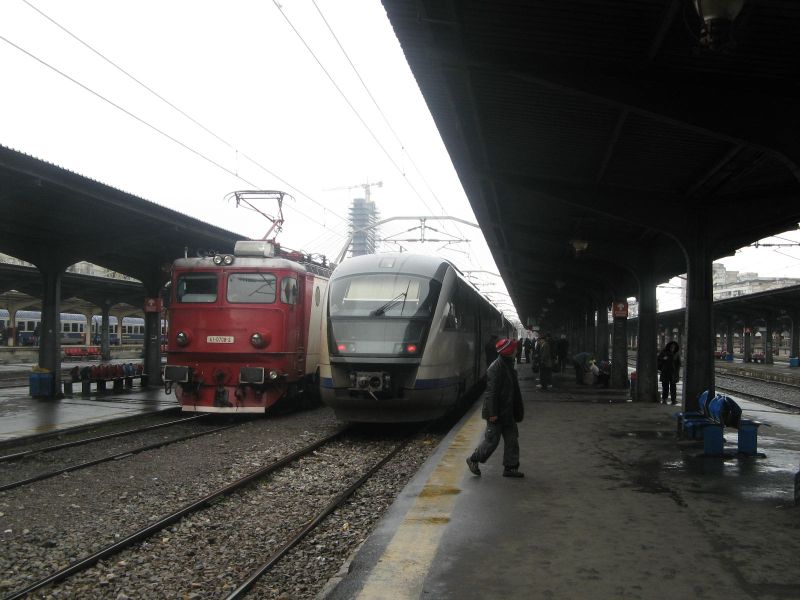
[49,524]
[762,390]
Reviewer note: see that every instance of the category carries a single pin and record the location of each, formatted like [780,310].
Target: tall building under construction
[363,215]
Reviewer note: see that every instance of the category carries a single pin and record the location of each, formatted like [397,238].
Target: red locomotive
[244,328]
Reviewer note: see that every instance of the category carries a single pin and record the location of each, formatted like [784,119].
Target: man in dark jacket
[502,409]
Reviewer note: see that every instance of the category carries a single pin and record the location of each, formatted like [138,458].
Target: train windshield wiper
[384,307]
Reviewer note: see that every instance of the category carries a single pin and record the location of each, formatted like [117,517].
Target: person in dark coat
[669,363]
[562,349]
[527,348]
[582,362]
[545,362]
[502,409]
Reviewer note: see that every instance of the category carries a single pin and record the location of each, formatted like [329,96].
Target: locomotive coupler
[370,381]
[221,397]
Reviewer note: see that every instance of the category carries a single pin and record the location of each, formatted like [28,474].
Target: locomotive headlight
[273,374]
[227,259]
[217,259]
[182,338]
[261,340]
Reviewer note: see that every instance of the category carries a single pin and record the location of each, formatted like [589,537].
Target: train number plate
[219,339]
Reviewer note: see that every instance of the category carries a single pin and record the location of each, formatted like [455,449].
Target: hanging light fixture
[718,17]
[579,245]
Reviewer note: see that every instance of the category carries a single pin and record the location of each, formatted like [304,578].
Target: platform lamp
[718,17]
[579,245]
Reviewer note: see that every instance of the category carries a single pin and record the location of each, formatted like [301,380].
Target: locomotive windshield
[254,288]
[381,314]
[196,287]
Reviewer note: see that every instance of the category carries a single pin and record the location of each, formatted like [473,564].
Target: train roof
[207,262]
[397,262]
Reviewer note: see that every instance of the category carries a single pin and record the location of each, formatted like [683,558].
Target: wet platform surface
[22,416]
[612,506]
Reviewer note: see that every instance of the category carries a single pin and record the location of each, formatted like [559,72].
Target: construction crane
[364,186]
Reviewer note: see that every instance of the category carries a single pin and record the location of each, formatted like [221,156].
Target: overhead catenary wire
[183,113]
[126,111]
[142,121]
[350,104]
[377,106]
[385,118]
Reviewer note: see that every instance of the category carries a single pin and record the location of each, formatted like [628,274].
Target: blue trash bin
[40,384]
[794,362]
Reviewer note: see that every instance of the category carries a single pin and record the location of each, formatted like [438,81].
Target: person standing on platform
[582,361]
[527,347]
[562,349]
[545,362]
[669,363]
[502,409]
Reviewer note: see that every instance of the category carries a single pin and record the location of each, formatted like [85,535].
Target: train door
[291,295]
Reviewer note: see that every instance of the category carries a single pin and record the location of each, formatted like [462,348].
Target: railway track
[117,456]
[727,383]
[756,389]
[321,452]
[89,440]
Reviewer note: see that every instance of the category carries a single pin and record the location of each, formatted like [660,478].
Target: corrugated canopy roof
[608,122]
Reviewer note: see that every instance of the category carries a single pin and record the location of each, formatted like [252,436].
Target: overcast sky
[260,111]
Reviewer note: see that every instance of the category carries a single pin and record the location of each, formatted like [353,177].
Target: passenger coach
[404,338]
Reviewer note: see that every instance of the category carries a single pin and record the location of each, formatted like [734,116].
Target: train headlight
[227,259]
[273,374]
[217,259]
[261,340]
[182,338]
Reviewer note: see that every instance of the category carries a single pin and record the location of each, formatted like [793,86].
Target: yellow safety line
[400,572]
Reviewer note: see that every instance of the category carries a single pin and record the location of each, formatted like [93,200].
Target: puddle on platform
[645,435]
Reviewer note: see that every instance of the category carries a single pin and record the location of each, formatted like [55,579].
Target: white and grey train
[405,338]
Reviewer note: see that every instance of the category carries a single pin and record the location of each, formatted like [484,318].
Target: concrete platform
[22,416]
[611,506]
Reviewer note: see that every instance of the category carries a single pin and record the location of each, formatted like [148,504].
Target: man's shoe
[512,473]
[473,466]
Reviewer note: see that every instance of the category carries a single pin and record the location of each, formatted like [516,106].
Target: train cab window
[289,290]
[31,325]
[196,288]
[251,288]
[65,327]
[73,327]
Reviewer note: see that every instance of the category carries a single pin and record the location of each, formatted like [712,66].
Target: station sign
[620,309]
[152,305]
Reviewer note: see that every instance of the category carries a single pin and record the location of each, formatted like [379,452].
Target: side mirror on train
[166,294]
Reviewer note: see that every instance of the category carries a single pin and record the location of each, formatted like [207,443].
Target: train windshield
[381,314]
[383,295]
[196,287]
[254,288]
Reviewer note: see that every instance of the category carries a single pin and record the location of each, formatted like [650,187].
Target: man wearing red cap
[502,409]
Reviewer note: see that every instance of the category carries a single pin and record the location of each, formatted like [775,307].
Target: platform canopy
[51,214]
[599,141]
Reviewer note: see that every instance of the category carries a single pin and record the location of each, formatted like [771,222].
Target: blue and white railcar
[405,338]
